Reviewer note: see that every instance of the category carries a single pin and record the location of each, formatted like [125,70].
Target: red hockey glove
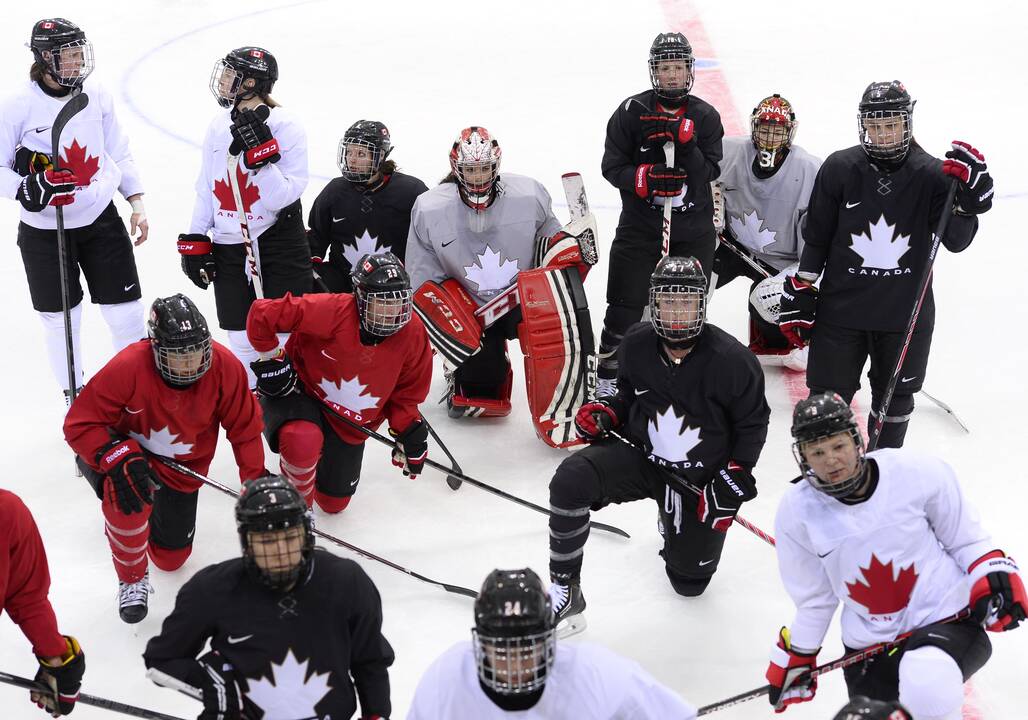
[197,259]
[252,137]
[997,592]
[974,194]
[411,449]
[63,679]
[724,495]
[49,187]
[660,128]
[658,181]
[788,674]
[796,311]
[129,478]
[595,419]
[276,376]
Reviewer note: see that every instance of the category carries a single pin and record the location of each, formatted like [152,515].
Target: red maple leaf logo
[247,192]
[882,594]
[84,166]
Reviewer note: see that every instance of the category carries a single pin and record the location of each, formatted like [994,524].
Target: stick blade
[574,193]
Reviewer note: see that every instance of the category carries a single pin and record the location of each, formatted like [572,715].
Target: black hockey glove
[724,495]
[411,449]
[658,181]
[595,419]
[63,680]
[796,311]
[197,259]
[252,139]
[130,479]
[30,162]
[659,128]
[49,187]
[276,376]
[966,164]
[216,678]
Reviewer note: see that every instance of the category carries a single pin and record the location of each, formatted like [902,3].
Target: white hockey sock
[931,685]
[125,321]
[242,349]
[53,336]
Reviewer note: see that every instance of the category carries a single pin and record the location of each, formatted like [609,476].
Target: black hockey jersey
[294,653]
[871,232]
[624,151]
[353,221]
[695,416]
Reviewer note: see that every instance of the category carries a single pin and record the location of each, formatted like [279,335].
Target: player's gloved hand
[974,193]
[724,495]
[658,181]
[787,674]
[49,187]
[276,376]
[29,162]
[595,419]
[796,310]
[411,449]
[659,128]
[216,678]
[252,139]
[197,259]
[63,676]
[997,592]
[130,480]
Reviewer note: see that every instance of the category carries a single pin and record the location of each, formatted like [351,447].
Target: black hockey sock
[616,321]
[569,529]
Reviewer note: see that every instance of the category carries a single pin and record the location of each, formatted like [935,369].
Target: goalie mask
[772,129]
[475,162]
[62,47]
[231,73]
[885,121]
[362,149]
[180,340]
[384,296]
[828,445]
[514,635]
[274,532]
[672,67]
[678,301]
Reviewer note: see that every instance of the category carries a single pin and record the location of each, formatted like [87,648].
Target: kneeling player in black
[289,625]
[691,398]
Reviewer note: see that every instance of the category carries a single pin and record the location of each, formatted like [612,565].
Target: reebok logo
[118,452]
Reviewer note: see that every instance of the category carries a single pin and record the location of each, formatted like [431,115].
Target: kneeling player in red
[357,356]
[163,396]
[890,535]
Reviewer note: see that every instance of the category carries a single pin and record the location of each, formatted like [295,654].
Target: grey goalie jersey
[766,215]
[483,251]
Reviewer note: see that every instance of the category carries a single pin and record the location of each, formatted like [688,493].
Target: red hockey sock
[128,536]
[299,447]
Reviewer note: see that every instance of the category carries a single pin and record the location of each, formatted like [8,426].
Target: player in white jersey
[513,667]
[890,535]
[271,174]
[95,163]
[765,183]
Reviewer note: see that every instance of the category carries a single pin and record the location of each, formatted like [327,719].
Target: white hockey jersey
[264,192]
[897,561]
[586,682]
[766,215]
[92,144]
[483,251]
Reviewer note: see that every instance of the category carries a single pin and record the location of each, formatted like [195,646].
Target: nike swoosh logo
[190,533]
[940,637]
[640,392]
[912,377]
[131,411]
[705,562]
[447,243]
[237,640]
[850,205]
[826,554]
[643,149]
[329,356]
[335,219]
[354,483]
[129,287]
[42,129]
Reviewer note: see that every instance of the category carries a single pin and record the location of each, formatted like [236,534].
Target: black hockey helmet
[62,47]
[514,634]
[772,129]
[384,295]
[820,416]
[864,708]
[371,135]
[269,505]
[180,340]
[238,66]
[885,121]
[671,47]
[678,300]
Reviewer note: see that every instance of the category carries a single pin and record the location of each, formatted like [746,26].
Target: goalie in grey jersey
[765,186]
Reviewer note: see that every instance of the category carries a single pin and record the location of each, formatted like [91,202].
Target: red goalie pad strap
[449,316]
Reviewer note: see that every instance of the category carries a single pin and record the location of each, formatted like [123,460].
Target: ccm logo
[445,310]
[260,152]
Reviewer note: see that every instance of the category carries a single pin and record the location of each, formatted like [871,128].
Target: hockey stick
[331,538]
[452,480]
[465,478]
[665,230]
[104,703]
[262,113]
[948,409]
[763,269]
[845,661]
[926,278]
[769,539]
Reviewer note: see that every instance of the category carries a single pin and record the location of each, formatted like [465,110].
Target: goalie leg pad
[449,316]
[557,341]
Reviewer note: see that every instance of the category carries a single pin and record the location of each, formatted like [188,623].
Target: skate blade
[571,625]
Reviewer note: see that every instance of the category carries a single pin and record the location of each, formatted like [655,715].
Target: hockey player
[634,163]
[890,535]
[363,357]
[294,631]
[479,244]
[691,398]
[95,163]
[24,585]
[271,175]
[366,211]
[869,228]
[513,666]
[766,181]
[163,396]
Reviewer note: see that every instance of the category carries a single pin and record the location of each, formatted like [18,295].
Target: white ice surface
[543,77]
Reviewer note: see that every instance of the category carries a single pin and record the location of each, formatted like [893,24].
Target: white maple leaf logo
[751,232]
[366,245]
[288,694]
[491,272]
[162,442]
[350,394]
[670,438]
[882,247]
